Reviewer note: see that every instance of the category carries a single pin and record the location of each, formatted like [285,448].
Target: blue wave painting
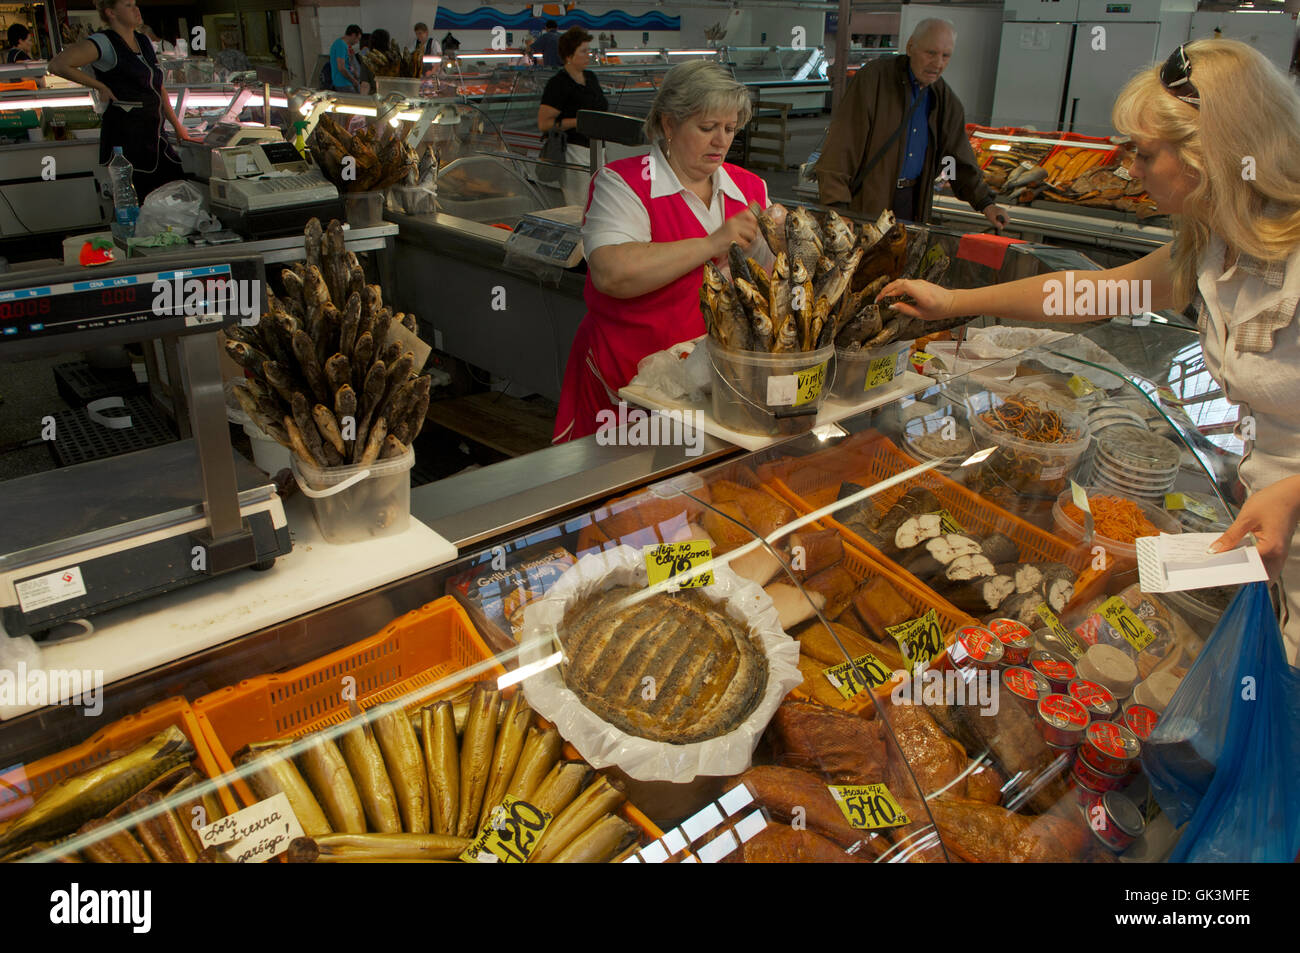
[485,18]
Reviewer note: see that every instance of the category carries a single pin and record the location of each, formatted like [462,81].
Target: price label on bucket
[1063,635]
[848,678]
[512,833]
[810,384]
[919,640]
[667,560]
[868,807]
[881,371]
[1115,611]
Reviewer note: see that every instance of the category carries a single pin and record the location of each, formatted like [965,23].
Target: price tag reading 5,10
[868,807]
[667,560]
[1115,611]
[512,834]
[881,371]
[810,384]
[919,640]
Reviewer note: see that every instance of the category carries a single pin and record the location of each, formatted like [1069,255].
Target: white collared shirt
[617,216]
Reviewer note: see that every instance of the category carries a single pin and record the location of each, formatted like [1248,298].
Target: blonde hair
[1243,145]
[692,89]
[103,6]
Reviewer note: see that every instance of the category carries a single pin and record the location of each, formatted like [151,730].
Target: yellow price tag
[1063,635]
[1080,497]
[667,560]
[947,522]
[880,371]
[809,383]
[848,680]
[1080,386]
[919,640]
[1115,611]
[1181,501]
[868,807]
[514,830]
[921,357]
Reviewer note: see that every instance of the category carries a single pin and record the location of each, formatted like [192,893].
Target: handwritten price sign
[667,560]
[1115,611]
[881,371]
[947,522]
[848,677]
[255,834]
[919,640]
[513,833]
[868,807]
[1064,635]
[809,384]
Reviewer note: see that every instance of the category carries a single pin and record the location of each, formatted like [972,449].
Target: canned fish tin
[1140,720]
[1061,719]
[1017,640]
[1025,685]
[977,647]
[1109,747]
[1119,823]
[1089,778]
[1101,704]
[1058,672]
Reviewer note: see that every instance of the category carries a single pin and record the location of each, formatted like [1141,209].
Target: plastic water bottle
[126,207]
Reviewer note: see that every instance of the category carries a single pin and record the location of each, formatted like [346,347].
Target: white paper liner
[602,744]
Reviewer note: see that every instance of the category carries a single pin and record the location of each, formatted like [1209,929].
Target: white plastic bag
[680,372]
[179,206]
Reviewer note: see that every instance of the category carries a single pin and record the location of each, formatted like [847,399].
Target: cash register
[267,188]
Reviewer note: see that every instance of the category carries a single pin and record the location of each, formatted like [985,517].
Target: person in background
[130,83]
[424,43]
[345,73]
[1235,257]
[891,134]
[548,44]
[647,237]
[20,44]
[377,42]
[571,89]
[230,57]
[450,47]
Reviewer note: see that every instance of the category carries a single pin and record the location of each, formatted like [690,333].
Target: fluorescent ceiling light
[692,52]
[433,59]
[50,102]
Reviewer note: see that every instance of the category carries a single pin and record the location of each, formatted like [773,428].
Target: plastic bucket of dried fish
[769,394]
[359,501]
[364,208]
[860,370]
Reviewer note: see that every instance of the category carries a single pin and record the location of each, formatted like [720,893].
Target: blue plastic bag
[1225,755]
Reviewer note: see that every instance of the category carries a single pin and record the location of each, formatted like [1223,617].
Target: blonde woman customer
[1217,136]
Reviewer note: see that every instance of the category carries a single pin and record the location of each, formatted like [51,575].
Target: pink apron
[618,332]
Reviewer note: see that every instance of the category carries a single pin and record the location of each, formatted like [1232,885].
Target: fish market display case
[783,74]
[902,642]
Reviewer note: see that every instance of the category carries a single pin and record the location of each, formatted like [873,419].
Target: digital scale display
[93,304]
[545,239]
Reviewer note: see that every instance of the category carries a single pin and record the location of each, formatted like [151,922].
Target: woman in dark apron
[127,78]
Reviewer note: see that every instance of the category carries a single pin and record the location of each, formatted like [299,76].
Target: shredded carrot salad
[1115,518]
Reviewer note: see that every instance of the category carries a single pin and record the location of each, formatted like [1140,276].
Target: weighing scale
[91,537]
[197,156]
[553,237]
[269,188]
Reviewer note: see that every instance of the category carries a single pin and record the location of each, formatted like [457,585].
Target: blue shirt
[918,130]
[548,44]
[339,51]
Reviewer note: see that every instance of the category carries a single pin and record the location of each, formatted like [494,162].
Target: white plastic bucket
[769,394]
[267,454]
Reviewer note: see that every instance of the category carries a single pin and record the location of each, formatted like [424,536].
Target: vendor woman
[1235,258]
[652,222]
[128,80]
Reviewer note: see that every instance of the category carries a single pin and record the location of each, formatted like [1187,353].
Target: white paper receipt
[255,834]
[782,390]
[42,591]
[1173,563]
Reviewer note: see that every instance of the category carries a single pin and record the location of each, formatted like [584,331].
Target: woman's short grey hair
[691,89]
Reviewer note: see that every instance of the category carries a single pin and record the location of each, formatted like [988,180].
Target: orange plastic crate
[415,650]
[22,784]
[812,482]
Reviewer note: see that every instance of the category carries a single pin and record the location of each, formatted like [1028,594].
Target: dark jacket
[871,110]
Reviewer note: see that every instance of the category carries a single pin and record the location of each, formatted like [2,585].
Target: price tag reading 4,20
[919,640]
[668,560]
[810,383]
[881,371]
[1115,611]
[512,834]
[868,807]
[848,678]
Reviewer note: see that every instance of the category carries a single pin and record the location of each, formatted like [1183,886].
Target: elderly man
[898,128]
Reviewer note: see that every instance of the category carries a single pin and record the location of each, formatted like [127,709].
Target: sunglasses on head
[1176,76]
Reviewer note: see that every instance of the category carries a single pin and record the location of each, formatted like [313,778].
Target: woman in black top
[20,44]
[573,88]
[127,78]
